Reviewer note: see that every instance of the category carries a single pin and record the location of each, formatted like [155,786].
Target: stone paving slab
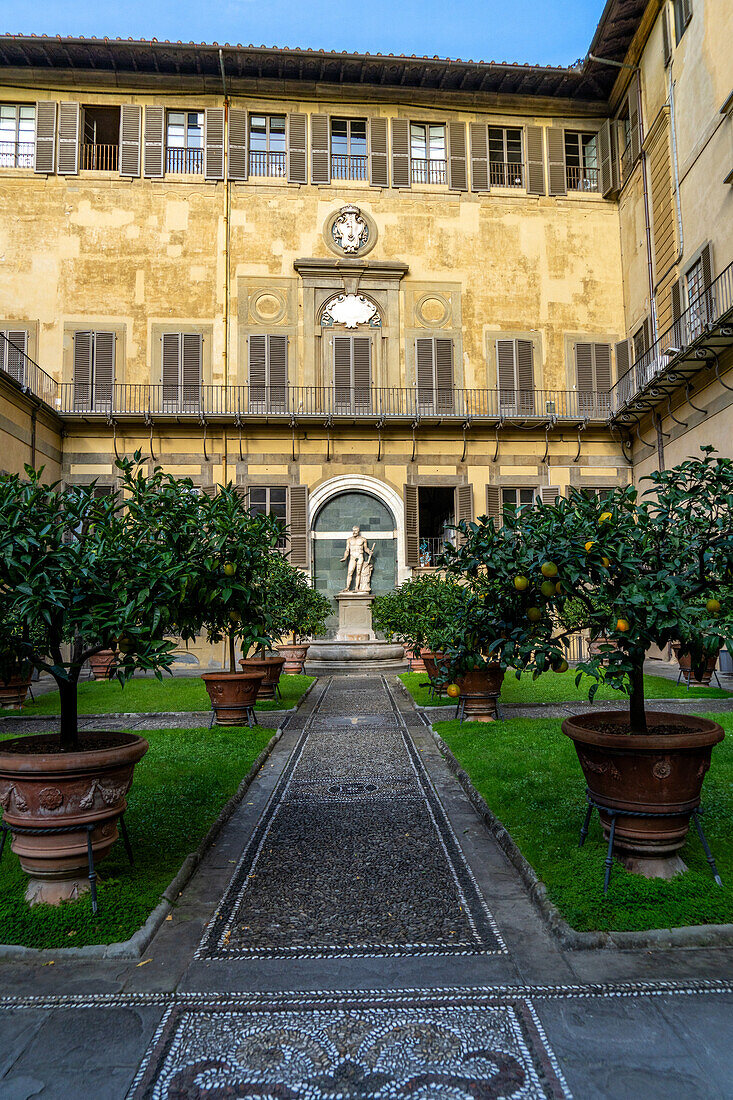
[155,720]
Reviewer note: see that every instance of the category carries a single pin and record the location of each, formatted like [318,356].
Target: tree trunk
[637,709]
[232,654]
[69,715]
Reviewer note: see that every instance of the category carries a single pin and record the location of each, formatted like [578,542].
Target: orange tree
[417,613]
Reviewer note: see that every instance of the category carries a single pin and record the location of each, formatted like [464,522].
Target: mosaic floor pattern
[462,1049]
[354,854]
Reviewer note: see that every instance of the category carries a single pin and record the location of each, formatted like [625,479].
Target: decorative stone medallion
[350,231]
[350,310]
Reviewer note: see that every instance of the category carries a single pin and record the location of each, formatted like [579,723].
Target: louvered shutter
[535,160]
[297,142]
[464,503]
[549,494]
[584,377]
[342,371]
[686,12]
[493,504]
[666,37]
[412,530]
[277,362]
[556,161]
[479,156]
[400,152]
[647,334]
[191,369]
[68,162]
[623,358]
[634,143]
[378,167]
[525,375]
[677,298]
[257,371]
[237,149]
[605,156]
[457,167]
[130,134]
[45,155]
[444,373]
[14,351]
[425,372]
[298,525]
[362,366]
[320,149]
[706,264]
[506,374]
[103,368]
[214,143]
[602,355]
[171,369]
[82,370]
[154,141]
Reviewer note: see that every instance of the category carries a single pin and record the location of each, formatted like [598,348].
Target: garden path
[355,932]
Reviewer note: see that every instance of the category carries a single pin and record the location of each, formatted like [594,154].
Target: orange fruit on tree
[606,562]
[558,588]
[534,614]
[229,569]
[713,607]
[561,666]
[233,618]
[547,588]
[453,691]
[605,517]
[548,569]
[521,584]
[589,545]
[622,625]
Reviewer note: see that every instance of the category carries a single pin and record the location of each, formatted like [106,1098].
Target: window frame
[185,159]
[275,161]
[283,540]
[428,169]
[582,176]
[16,142]
[349,165]
[502,171]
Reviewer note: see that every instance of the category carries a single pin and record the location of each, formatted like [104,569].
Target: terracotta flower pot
[480,689]
[294,655]
[432,661]
[271,667]
[231,693]
[14,691]
[102,663]
[417,664]
[43,789]
[599,647]
[684,660]
[651,774]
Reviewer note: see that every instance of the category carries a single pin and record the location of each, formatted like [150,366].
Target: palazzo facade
[382,290]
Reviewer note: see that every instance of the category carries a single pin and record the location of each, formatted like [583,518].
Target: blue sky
[548,32]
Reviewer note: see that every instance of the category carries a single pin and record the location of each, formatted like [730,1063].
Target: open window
[430,513]
[100,138]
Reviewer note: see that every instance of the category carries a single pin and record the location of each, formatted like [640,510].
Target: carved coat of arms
[350,230]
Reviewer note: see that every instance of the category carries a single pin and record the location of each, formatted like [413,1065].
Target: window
[640,340]
[505,157]
[593,378]
[271,502]
[17,136]
[267,149]
[94,371]
[100,138]
[427,152]
[348,149]
[13,351]
[182,371]
[697,300]
[434,373]
[185,142]
[581,161]
[352,373]
[682,16]
[515,377]
[436,514]
[513,500]
[268,373]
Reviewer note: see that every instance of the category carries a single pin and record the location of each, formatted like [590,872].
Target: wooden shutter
[584,371]
[362,367]
[298,525]
[425,370]
[444,373]
[130,133]
[677,298]
[14,351]
[634,142]
[237,144]
[378,167]
[706,264]
[342,370]
[647,328]
[556,161]
[686,13]
[83,342]
[68,162]
[45,156]
[602,362]
[257,370]
[464,503]
[171,367]
[534,144]
[479,156]
[525,375]
[320,149]
[623,357]
[400,152]
[549,494]
[191,368]
[493,504]
[457,168]
[277,364]
[666,37]
[412,530]
[297,142]
[506,373]
[154,141]
[214,143]
[103,372]
[605,157]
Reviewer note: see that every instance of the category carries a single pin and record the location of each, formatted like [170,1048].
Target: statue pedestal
[355,617]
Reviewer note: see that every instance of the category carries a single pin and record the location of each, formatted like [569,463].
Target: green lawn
[179,789]
[145,694]
[528,772]
[559,687]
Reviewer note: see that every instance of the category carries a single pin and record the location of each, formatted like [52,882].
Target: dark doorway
[100,138]
[436,512]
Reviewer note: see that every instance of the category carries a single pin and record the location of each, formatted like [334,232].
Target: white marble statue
[360,566]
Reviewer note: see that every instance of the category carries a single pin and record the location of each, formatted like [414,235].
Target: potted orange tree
[416,609]
[95,574]
[15,679]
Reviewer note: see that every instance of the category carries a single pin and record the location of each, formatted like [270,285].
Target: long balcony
[693,342]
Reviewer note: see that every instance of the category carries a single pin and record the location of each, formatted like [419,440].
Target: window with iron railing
[17,135]
[267,146]
[506,168]
[581,161]
[428,153]
[349,149]
[184,151]
[100,131]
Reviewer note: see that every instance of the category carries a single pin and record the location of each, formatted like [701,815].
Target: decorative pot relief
[662,769]
[50,798]
[109,795]
[10,796]
[600,769]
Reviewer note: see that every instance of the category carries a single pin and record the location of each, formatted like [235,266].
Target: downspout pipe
[227,242]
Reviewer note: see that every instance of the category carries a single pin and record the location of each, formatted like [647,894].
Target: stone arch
[383,492]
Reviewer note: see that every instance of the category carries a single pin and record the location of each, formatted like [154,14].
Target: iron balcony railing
[17,154]
[506,174]
[22,369]
[581,179]
[431,550]
[267,164]
[316,402]
[99,158]
[428,171]
[184,161]
[703,313]
[347,167]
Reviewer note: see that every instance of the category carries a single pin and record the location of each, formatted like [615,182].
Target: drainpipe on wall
[227,238]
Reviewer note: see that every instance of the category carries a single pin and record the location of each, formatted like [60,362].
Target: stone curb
[698,935]
[138,942]
[139,715]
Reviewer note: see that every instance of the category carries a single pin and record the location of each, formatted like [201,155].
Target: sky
[545,32]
